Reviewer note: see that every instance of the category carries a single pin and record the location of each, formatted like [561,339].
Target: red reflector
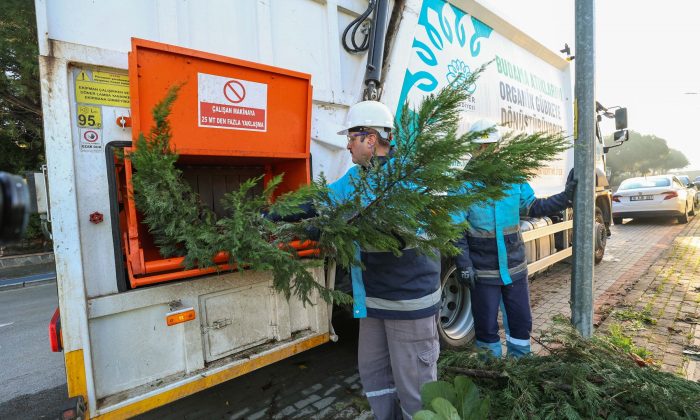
[669,195]
[55,338]
[616,198]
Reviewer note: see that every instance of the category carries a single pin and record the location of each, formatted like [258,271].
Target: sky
[647,59]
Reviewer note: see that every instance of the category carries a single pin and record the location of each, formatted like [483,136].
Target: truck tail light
[55,336]
[180,316]
[669,195]
[616,198]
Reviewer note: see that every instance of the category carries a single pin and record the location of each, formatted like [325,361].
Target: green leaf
[437,389]
[470,404]
[425,415]
[445,409]
[463,384]
[484,408]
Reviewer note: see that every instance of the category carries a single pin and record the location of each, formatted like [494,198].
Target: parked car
[652,196]
[693,189]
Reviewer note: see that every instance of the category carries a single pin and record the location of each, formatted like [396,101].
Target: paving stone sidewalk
[653,273]
[668,297]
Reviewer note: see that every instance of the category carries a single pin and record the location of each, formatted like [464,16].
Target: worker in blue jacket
[396,298]
[493,261]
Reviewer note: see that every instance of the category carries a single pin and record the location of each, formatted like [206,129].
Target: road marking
[5,325]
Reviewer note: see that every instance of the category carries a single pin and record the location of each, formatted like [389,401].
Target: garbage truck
[265,88]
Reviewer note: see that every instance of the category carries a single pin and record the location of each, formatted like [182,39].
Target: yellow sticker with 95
[89,116]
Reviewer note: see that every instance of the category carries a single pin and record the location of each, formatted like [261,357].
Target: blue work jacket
[390,287]
[493,245]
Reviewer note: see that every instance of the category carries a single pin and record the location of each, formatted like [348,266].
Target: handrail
[546,231]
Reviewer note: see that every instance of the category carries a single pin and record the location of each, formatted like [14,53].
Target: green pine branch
[182,226]
[579,378]
[407,202]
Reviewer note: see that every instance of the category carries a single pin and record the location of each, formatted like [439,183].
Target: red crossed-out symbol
[91,136]
[234,91]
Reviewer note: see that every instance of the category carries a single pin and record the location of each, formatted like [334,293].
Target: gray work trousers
[395,358]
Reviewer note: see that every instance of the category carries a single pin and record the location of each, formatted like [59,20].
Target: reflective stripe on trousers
[517,317]
[395,358]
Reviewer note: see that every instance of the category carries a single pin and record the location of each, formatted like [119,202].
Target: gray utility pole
[584,170]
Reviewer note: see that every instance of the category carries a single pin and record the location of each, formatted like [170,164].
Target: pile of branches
[408,202]
[579,378]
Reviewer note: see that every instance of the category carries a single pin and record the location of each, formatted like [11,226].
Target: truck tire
[455,321]
[617,220]
[601,236]
[684,218]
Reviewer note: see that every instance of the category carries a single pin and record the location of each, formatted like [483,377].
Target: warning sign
[110,78]
[230,103]
[90,140]
[102,88]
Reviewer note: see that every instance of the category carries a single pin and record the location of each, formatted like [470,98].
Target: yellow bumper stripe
[75,374]
[200,384]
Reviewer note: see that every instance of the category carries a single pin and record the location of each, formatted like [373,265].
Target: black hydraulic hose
[377,38]
[355,25]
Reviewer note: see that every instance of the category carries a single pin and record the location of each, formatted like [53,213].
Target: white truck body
[120,356]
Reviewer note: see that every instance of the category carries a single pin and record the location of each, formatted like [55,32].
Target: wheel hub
[455,310]
[600,236]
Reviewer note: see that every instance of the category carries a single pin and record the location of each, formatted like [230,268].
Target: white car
[652,196]
[693,189]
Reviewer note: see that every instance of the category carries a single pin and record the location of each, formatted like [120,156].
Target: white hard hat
[491,132]
[371,114]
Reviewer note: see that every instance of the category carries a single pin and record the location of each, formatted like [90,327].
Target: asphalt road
[33,377]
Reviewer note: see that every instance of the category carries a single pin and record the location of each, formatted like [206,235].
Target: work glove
[273,217]
[467,276]
[570,189]
[306,211]
[313,233]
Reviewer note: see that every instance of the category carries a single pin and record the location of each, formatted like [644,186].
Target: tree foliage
[643,154]
[21,138]
[580,378]
[181,225]
[407,202]
[675,160]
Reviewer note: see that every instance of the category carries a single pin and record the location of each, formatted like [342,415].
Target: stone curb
[29,283]
[30,259]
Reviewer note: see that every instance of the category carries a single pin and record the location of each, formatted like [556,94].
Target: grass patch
[644,316]
[619,339]
[681,371]
[360,404]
